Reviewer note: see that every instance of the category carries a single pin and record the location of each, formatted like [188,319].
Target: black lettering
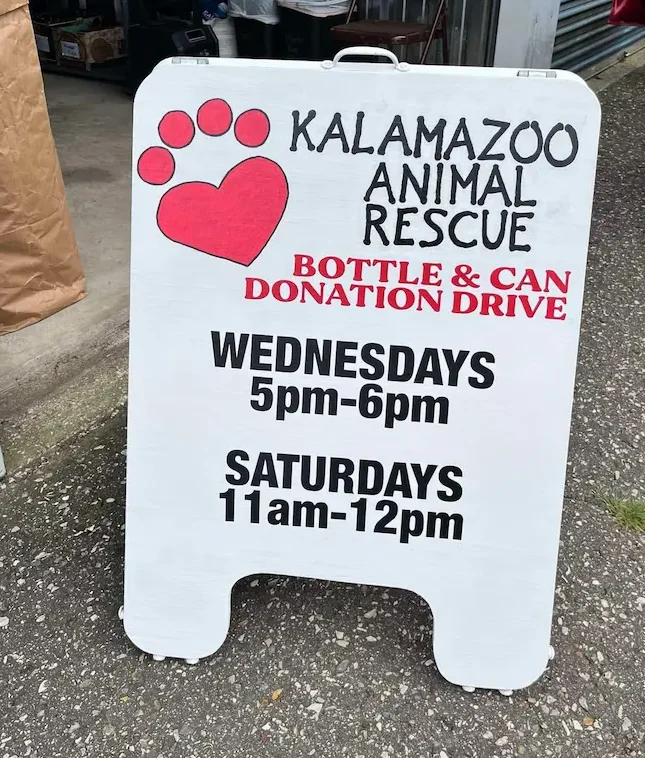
[392,508]
[444,525]
[264,471]
[335,131]
[279,515]
[519,178]
[292,363]
[516,229]
[381,180]
[356,146]
[438,184]
[343,359]
[398,481]
[375,223]
[495,185]
[490,244]
[461,138]
[229,350]
[454,490]
[487,377]
[573,136]
[439,235]
[457,180]
[423,477]
[539,141]
[429,367]
[311,509]
[321,358]
[305,473]
[368,355]
[452,229]
[395,372]
[341,470]
[365,468]
[300,129]
[258,352]
[454,365]
[401,223]
[501,127]
[233,461]
[424,134]
[396,133]
[409,178]
[287,460]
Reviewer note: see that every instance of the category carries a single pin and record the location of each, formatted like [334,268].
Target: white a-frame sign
[356,299]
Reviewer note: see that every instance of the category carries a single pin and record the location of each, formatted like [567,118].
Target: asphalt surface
[323,669]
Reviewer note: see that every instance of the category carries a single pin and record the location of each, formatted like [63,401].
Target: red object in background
[627,12]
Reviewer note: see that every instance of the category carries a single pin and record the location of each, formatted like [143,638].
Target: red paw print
[234,220]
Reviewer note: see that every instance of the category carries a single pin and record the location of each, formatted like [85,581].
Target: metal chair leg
[445,50]
[438,18]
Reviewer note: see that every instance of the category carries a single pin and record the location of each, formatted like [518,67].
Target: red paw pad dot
[252,128]
[156,165]
[176,129]
[214,118]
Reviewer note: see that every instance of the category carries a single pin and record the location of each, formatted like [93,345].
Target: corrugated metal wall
[584,37]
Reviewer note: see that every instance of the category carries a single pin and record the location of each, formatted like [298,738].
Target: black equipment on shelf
[159,29]
[196,42]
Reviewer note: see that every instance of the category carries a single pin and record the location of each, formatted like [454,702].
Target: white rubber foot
[192,661]
[551,653]
[468,689]
[506,693]
[158,657]
[121,613]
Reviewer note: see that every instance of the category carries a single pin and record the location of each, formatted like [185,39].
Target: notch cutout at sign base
[356,300]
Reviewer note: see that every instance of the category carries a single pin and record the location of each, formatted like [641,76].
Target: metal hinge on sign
[534,74]
[201,61]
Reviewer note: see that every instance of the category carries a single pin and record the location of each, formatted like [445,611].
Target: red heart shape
[233,221]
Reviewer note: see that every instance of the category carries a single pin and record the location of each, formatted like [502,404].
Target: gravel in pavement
[328,670]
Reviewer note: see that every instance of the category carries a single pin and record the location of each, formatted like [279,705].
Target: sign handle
[376,52]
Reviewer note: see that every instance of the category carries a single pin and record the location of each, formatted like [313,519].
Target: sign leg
[181,622]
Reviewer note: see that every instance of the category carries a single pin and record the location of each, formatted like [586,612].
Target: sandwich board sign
[356,302]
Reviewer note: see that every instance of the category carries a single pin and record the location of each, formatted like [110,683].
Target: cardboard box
[83,45]
[44,34]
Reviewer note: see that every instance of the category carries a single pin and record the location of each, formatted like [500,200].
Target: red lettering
[361,290]
[529,280]
[553,278]
[491,303]
[338,293]
[457,300]
[497,282]
[403,274]
[383,275]
[292,291]
[339,267]
[251,281]
[430,274]
[555,305]
[526,304]
[393,298]
[309,289]
[303,265]
[359,263]
[432,298]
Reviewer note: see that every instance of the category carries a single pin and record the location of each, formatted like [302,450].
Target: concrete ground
[60,357]
[59,375]
[318,669]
